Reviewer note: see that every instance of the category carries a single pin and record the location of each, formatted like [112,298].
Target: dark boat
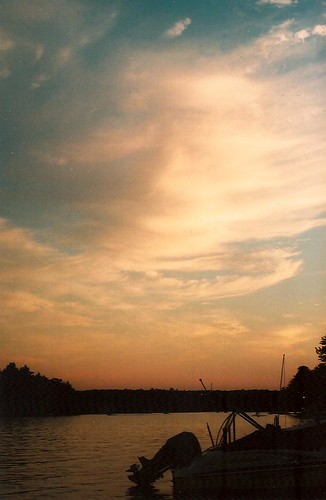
[268,463]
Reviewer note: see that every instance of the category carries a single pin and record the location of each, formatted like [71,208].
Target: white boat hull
[251,474]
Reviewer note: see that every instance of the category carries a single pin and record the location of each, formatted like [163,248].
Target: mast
[282,373]
[277,417]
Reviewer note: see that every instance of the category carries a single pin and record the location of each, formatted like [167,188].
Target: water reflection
[86,456]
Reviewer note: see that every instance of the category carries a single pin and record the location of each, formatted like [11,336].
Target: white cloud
[178,28]
[303,34]
[281,45]
[319,29]
[278,3]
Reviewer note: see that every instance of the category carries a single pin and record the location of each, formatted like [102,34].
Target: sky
[162,190]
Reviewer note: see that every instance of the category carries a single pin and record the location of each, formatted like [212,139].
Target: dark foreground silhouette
[24,393]
[268,463]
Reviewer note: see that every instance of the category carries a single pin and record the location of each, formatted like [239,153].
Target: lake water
[86,456]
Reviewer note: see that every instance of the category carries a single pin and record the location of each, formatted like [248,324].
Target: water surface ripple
[86,456]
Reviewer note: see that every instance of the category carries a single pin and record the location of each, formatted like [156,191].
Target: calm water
[86,456]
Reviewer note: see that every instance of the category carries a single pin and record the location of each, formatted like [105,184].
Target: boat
[253,474]
[268,463]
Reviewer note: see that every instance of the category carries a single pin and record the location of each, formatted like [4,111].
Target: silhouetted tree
[22,393]
[299,389]
[318,389]
[307,389]
[321,351]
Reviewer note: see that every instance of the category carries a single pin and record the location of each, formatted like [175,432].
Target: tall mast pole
[282,373]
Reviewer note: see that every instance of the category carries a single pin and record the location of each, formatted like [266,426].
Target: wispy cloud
[282,42]
[154,185]
[178,28]
[278,3]
[225,124]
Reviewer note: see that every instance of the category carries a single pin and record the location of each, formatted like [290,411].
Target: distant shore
[24,393]
[114,401]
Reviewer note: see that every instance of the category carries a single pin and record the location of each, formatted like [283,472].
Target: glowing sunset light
[163,191]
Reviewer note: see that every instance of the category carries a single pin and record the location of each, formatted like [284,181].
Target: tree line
[306,392]
[24,393]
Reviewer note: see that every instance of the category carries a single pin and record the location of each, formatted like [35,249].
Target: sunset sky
[162,190]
